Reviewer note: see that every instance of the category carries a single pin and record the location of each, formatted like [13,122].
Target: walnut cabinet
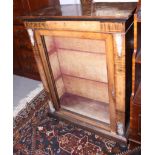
[85,63]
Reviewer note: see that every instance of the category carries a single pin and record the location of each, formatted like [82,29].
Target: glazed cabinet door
[79,70]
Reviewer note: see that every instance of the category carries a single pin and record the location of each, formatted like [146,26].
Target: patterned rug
[41,135]
[39,105]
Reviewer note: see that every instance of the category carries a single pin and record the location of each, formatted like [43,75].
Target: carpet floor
[43,135]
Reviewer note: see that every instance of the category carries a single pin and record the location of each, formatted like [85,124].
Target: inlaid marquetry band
[91,26]
[35,25]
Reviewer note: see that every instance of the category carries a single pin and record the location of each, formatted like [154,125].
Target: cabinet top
[97,11]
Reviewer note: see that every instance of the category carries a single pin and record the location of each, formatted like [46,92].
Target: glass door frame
[108,38]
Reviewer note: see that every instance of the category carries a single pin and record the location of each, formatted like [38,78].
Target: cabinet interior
[80,74]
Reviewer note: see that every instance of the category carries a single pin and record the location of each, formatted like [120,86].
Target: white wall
[69,1]
[78,1]
[115,0]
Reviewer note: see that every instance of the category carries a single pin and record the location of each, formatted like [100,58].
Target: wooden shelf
[86,107]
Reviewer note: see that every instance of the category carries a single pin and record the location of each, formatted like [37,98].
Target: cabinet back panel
[84,65]
[89,89]
[54,62]
[79,67]
[89,45]
[94,46]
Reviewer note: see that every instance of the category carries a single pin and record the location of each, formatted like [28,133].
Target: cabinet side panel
[54,64]
[119,59]
[128,64]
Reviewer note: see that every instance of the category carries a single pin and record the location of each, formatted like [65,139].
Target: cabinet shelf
[86,107]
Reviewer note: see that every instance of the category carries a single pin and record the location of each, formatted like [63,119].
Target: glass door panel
[79,68]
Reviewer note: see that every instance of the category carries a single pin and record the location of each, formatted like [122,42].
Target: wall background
[78,1]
